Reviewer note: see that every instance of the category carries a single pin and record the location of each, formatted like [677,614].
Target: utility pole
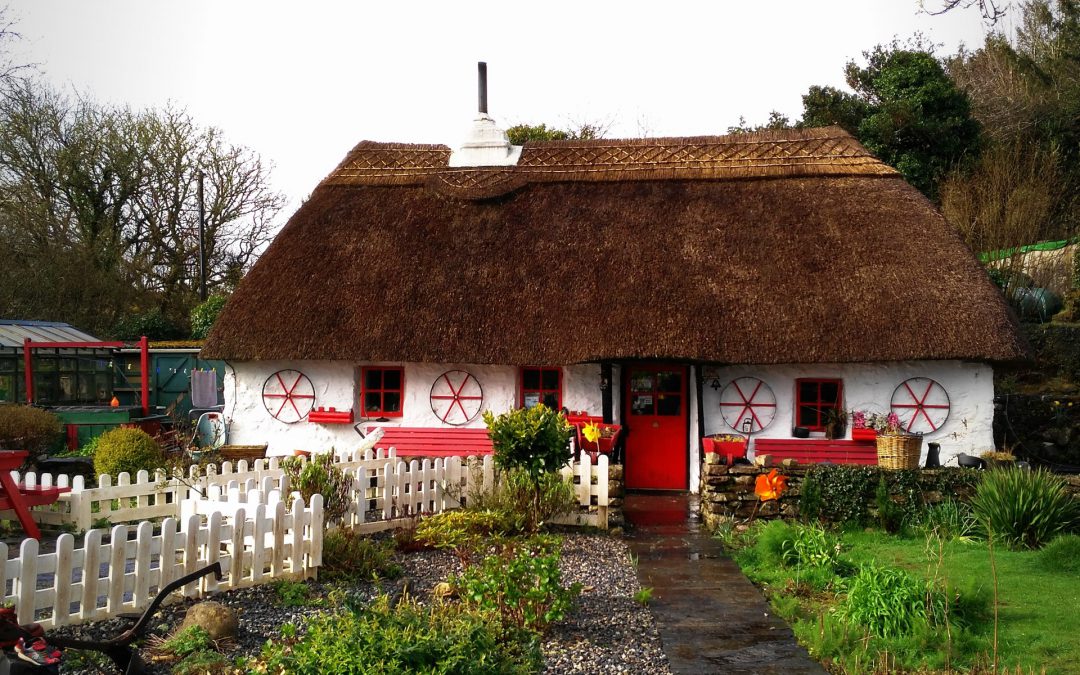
[202,241]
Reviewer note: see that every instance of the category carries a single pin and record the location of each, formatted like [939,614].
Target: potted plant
[598,438]
[726,445]
[896,449]
[835,423]
[861,427]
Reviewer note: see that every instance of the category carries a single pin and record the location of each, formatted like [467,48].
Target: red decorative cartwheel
[288,396]
[747,398]
[456,397]
[921,404]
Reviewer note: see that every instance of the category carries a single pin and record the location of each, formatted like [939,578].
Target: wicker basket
[898,451]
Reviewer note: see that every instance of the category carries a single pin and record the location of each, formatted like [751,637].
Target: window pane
[668,404]
[372,402]
[808,416]
[67,365]
[642,382]
[391,401]
[7,388]
[551,400]
[669,381]
[531,398]
[641,404]
[530,378]
[392,379]
[372,378]
[808,392]
[102,386]
[550,378]
[830,392]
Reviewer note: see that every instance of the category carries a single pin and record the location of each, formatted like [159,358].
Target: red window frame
[816,404]
[541,390]
[382,391]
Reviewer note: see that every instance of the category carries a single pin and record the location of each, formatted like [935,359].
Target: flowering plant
[728,438]
[879,422]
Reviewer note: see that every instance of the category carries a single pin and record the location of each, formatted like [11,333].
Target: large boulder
[213,617]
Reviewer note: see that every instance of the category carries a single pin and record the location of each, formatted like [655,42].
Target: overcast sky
[301,82]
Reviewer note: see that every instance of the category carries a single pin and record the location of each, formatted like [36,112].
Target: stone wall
[728,491]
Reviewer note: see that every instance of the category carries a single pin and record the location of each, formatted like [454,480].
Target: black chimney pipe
[481,68]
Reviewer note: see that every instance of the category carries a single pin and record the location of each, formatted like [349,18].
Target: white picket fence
[121,570]
[236,516]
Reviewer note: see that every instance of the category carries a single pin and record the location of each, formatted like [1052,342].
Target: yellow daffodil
[591,432]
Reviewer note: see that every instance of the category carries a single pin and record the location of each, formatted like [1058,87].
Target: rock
[789,463]
[215,618]
[443,590]
[763,460]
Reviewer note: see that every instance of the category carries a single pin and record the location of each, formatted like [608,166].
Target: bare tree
[992,10]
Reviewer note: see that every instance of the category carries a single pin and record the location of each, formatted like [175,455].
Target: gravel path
[607,633]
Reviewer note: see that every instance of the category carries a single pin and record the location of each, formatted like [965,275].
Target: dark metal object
[800,432]
[481,68]
[933,455]
[970,462]
[202,242]
[119,649]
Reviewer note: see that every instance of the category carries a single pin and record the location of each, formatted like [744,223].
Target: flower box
[726,448]
[609,435]
[863,435]
[330,416]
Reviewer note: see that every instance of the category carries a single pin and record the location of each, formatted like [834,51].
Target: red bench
[20,498]
[434,441]
[807,451]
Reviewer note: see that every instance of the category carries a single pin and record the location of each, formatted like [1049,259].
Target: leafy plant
[381,638]
[1061,555]
[890,516]
[319,475]
[205,314]
[522,584]
[950,519]
[292,593]
[350,556]
[810,502]
[514,496]
[201,663]
[535,440]
[131,450]
[888,602]
[811,546]
[461,531]
[643,596]
[24,427]
[1023,509]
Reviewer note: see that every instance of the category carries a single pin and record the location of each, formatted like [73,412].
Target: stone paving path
[711,618]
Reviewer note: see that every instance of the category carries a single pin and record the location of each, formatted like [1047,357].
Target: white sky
[301,82]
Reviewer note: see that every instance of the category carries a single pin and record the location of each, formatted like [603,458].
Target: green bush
[461,530]
[319,476]
[1062,555]
[350,556]
[1023,509]
[889,602]
[153,324]
[205,314]
[890,515]
[950,519]
[783,545]
[131,450]
[773,543]
[380,639]
[534,440]
[24,427]
[810,501]
[522,584]
[514,496]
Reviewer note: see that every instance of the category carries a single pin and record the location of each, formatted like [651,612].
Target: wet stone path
[711,618]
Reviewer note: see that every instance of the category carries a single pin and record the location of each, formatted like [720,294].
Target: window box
[863,435]
[728,448]
[609,435]
[331,416]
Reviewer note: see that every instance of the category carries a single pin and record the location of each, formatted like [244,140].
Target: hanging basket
[898,451]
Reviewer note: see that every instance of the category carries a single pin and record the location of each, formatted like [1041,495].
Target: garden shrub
[783,545]
[889,602]
[319,476]
[461,531]
[950,519]
[810,503]
[890,516]
[24,427]
[127,449]
[380,638]
[522,584]
[1062,555]
[350,556]
[1023,509]
[514,496]
[534,440]
[205,314]
[773,542]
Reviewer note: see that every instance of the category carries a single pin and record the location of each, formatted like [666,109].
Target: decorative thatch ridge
[782,247]
[806,152]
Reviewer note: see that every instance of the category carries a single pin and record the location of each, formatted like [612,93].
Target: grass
[1038,596]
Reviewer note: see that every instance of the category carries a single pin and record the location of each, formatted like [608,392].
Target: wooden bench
[434,441]
[809,451]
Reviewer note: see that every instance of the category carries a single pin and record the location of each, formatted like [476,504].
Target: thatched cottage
[677,286]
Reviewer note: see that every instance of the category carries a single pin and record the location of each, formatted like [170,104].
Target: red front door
[655,417]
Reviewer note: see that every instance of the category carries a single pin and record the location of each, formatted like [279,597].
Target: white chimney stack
[486,144]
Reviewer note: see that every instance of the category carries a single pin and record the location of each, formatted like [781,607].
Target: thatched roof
[783,247]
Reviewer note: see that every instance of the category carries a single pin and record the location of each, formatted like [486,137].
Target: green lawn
[1039,628]
[1039,609]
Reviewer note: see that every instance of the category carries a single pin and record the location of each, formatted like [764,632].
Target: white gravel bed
[608,631]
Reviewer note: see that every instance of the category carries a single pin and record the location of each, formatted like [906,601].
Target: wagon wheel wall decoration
[747,398]
[288,396]
[921,404]
[456,397]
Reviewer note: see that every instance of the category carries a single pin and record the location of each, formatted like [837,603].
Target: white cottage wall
[336,385]
[869,386]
